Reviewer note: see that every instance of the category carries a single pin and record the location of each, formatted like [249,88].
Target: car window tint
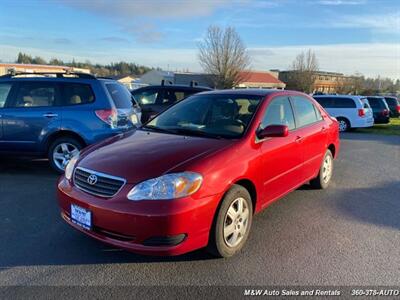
[341,102]
[392,102]
[374,102]
[77,93]
[305,111]
[279,112]
[325,102]
[146,97]
[4,91]
[35,95]
[120,95]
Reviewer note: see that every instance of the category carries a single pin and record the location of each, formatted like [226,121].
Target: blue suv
[57,114]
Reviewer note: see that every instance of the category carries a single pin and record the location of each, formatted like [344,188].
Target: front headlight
[69,169]
[169,186]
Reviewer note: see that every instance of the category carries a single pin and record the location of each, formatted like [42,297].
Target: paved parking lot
[348,234]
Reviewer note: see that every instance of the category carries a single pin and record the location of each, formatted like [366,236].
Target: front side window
[120,95]
[279,112]
[35,95]
[77,93]
[4,92]
[146,97]
[305,111]
[226,116]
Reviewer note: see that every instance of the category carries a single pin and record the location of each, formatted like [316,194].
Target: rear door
[30,114]
[311,135]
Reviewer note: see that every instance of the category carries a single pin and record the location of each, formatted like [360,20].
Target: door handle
[323,128]
[299,139]
[50,115]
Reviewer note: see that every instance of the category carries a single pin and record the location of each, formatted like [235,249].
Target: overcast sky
[348,36]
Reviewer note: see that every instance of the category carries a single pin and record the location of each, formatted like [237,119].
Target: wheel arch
[63,133]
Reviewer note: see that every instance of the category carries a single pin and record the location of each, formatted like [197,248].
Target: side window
[77,93]
[344,103]
[172,96]
[373,103]
[305,111]
[4,92]
[325,102]
[279,112]
[35,95]
[146,97]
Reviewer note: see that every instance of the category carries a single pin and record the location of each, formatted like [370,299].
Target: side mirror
[273,131]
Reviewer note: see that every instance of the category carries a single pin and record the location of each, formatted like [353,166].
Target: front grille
[102,185]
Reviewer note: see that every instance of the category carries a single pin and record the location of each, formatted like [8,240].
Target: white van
[350,111]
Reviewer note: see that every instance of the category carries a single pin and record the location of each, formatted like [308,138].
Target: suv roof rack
[13,73]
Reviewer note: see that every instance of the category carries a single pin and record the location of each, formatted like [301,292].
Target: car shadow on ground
[377,205]
[368,137]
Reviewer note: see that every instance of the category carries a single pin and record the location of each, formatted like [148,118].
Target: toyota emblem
[92,179]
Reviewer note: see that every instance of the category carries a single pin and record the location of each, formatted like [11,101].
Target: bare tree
[223,54]
[304,69]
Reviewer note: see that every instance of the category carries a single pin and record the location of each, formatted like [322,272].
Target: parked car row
[359,111]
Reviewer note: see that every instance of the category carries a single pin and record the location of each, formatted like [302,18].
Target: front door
[27,118]
[311,134]
[281,156]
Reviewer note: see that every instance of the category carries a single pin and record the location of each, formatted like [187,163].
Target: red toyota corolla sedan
[195,175]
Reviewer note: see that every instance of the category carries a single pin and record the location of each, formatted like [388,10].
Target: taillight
[398,108]
[361,112]
[385,112]
[109,116]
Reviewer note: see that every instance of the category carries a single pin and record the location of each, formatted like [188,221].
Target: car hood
[142,155]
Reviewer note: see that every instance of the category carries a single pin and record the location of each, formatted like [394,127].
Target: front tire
[232,223]
[325,172]
[61,151]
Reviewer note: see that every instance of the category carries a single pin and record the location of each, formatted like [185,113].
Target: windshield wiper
[158,129]
[191,132]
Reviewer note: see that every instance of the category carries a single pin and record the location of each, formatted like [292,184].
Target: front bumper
[131,225]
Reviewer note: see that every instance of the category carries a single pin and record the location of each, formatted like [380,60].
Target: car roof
[180,86]
[339,96]
[252,92]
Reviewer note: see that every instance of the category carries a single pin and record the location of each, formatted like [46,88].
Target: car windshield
[209,115]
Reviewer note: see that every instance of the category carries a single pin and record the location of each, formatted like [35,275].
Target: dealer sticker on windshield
[81,216]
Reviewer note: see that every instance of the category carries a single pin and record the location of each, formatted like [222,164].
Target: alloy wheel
[327,169]
[236,222]
[63,153]
[342,125]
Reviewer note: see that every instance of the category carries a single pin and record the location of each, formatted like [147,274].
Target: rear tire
[232,223]
[325,172]
[61,151]
[344,124]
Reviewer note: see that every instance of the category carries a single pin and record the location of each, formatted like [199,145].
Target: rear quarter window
[341,102]
[120,95]
[77,93]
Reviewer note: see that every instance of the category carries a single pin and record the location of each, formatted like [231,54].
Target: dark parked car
[380,109]
[57,114]
[394,106]
[198,171]
[156,98]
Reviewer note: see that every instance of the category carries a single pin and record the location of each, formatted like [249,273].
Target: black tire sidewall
[54,144]
[217,244]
